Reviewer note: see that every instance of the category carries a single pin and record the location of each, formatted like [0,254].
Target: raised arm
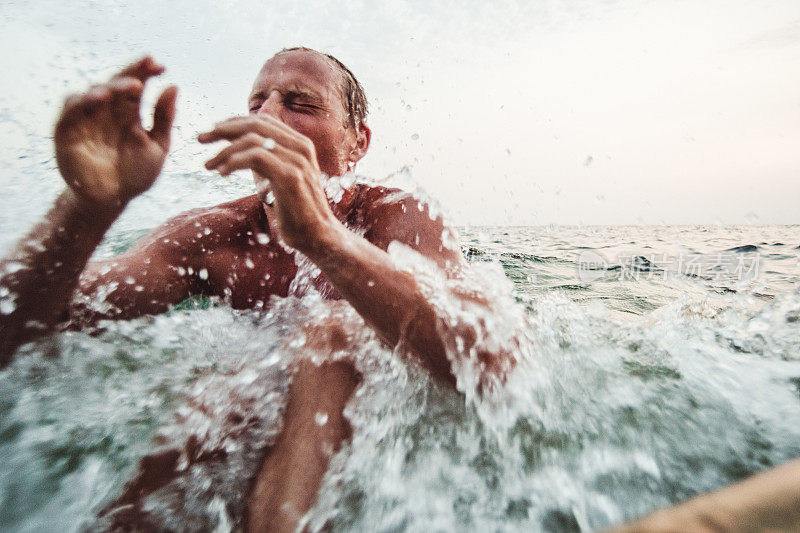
[389,298]
[106,158]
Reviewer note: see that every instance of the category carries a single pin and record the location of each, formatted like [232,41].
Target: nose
[271,106]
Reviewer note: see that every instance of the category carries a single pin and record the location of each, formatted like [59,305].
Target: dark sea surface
[655,363]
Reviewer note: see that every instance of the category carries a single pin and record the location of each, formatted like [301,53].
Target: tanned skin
[769,501]
[107,159]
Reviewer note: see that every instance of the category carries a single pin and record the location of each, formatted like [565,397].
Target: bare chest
[246,276]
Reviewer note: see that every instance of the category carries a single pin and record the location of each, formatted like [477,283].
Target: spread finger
[142,69]
[258,159]
[126,95]
[238,126]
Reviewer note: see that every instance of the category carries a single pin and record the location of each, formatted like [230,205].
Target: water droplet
[321,418]
[129,280]
[7,306]
[459,344]
[181,271]
[327,448]
[13,266]
[203,273]
[248,376]
[249,263]
[207,231]
[751,219]
[36,245]
[370,283]
[272,360]
[262,238]
[298,341]
[138,288]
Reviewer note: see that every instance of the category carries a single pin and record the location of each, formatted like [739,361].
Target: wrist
[88,211]
[329,238]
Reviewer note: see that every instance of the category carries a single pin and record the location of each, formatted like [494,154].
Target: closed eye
[291,104]
[302,106]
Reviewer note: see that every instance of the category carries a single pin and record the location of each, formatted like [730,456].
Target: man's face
[303,90]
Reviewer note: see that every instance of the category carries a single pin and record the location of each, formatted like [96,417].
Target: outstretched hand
[104,154]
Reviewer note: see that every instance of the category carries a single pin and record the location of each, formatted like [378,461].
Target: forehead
[300,69]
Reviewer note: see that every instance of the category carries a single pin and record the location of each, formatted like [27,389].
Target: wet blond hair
[355,99]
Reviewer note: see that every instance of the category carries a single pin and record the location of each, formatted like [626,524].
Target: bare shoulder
[173,262]
[390,214]
[209,226]
[192,235]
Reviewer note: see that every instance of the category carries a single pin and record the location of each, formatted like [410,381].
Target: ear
[363,136]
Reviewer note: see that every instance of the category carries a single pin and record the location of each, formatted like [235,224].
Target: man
[307,118]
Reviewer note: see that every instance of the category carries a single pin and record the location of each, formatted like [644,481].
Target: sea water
[654,363]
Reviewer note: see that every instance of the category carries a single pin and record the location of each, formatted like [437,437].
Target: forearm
[38,278]
[389,299]
[767,501]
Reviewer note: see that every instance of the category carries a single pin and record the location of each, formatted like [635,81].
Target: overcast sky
[529,112]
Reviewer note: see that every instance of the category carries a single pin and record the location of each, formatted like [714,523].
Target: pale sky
[544,112]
